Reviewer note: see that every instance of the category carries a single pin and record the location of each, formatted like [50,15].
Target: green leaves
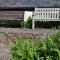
[23,50]
[34,50]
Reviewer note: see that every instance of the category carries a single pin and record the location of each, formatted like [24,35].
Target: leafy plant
[29,22]
[35,50]
[23,50]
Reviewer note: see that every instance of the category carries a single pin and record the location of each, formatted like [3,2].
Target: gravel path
[4,52]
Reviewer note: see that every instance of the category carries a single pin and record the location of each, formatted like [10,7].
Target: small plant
[29,22]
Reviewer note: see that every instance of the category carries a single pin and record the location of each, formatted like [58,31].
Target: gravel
[4,52]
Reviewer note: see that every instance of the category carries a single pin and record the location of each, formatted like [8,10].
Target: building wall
[11,15]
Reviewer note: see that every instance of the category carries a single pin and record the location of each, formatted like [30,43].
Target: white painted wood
[46,14]
[33,21]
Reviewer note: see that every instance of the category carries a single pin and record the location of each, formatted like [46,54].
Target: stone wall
[8,35]
[7,38]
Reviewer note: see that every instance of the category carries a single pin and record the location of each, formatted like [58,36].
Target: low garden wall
[7,38]
[8,35]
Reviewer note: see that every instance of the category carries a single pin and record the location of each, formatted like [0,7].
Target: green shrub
[11,23]
[29,22]
[47,24]
[51,49]
[56,39]
[23,24]
[34,50]
[23,50]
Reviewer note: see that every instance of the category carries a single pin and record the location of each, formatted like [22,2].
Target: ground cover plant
[29,49]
